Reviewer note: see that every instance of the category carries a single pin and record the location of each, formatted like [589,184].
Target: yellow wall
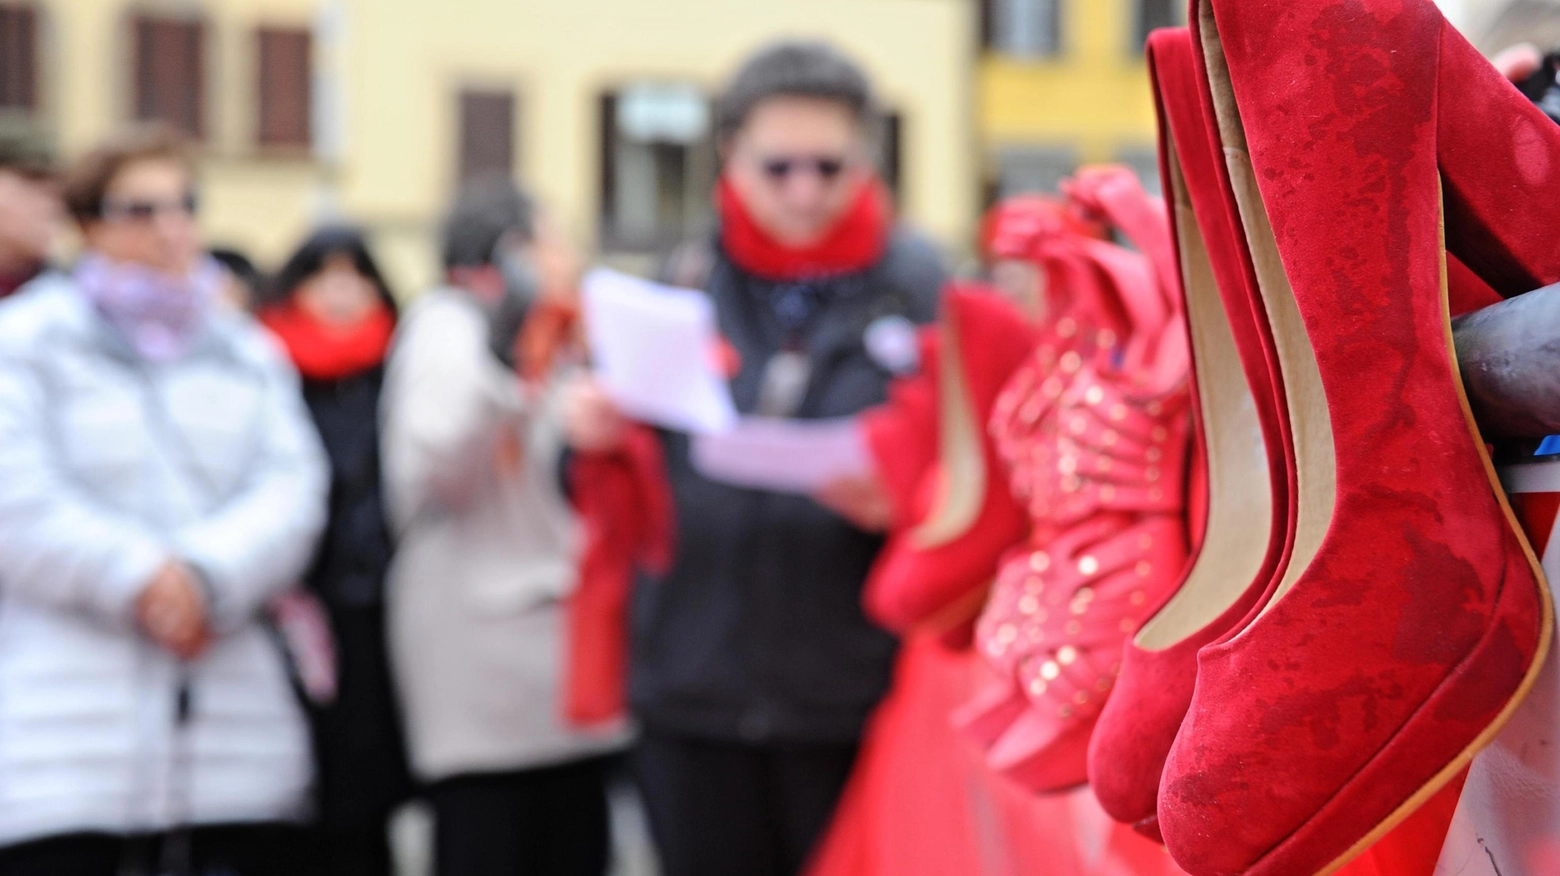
[398,65]
[1094,96]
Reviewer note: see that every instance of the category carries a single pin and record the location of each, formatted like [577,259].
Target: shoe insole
[1310,423]
[1240,494]
[961,466]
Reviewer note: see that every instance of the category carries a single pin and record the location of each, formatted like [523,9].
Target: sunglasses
[828,168]
[146,211]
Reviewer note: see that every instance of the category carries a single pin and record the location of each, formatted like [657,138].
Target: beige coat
[486,548]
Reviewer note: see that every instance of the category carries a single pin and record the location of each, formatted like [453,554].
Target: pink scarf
[160,315]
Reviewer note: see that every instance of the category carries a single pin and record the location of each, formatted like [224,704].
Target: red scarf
[625,504]
[327,352]
[855,243]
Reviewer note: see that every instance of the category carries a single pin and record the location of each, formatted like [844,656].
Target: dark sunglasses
[828,168]
[146,211]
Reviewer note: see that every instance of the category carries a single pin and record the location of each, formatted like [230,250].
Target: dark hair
[237,264]
[86,181]
[796,68]
[484,212]
[316,250]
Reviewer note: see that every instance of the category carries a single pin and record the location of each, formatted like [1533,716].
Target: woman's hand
[860,500]
[171,610]
[592,422]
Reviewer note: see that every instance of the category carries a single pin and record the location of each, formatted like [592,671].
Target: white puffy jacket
[108,467]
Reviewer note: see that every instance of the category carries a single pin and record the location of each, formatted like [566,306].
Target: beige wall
[395,66]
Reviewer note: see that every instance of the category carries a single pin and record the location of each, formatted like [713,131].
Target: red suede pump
[939,569]
[1411,617]
[1241,433]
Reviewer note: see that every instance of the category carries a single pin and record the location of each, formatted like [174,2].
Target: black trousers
[726,809]
[361,758]
[543,822]
[238,850]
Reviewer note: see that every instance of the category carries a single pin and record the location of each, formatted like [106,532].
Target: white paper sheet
[654,352]
[787,456]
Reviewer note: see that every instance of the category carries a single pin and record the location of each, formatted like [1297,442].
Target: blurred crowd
[280,555]
[281,550]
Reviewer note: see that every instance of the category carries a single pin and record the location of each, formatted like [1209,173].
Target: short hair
[237,263]
[484,212]
[86,181]
[797,68]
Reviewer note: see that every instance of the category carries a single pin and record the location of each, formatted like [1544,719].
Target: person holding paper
[754,668]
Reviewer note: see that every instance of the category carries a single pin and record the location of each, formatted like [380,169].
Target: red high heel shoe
[901,435]
[1246,515]
[1411,617]
[937,569]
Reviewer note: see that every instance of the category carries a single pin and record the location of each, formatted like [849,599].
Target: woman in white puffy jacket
[159,483]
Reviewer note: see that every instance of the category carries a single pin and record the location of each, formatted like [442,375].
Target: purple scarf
[160,315]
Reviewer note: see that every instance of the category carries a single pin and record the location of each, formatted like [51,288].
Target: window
[1151,15]
[657,165]
[487,133]
[1028,169]
[18,57]
[285,86]
[170,72]
[1022,28]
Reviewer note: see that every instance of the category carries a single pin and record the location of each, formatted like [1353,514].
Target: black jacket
[757,633]
[354,552]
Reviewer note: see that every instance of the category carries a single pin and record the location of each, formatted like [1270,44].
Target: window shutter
[285,83]
[892,162]
[1024,28]
[1152,15]
[609,137]
[487,133]
[18,57]
[170,67]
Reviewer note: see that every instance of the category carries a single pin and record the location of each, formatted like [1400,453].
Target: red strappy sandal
[1098,454]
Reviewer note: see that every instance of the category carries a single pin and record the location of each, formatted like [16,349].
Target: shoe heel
[1500,167]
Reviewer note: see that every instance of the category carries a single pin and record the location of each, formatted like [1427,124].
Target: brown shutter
[487,133]
[285,87]
[891,164]
[18,57]
[170,68]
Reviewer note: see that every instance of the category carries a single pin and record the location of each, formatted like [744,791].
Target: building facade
[376,110]
[1064,83]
